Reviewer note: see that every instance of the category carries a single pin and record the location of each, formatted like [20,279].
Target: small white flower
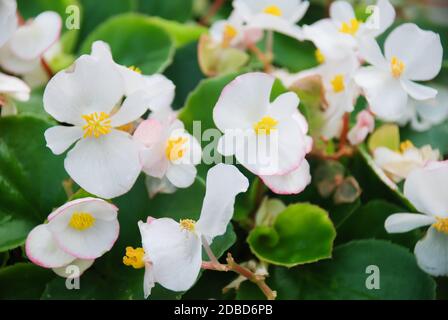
[426,189]
[169,153]
[76,234]
[105,160]
[399,164]
[172,251]
[276,15]
[158,89]
[343,32]
[12,89]
[24,49]
[411,54]
[424,114]
[8,20]
[365,124]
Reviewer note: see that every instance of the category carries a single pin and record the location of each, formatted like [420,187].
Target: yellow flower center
[81,221]
[406,145]
[135,69]
[350,27]
[265,125]
[396,67]
[441,225]
[97,124]
[229,33]
[338,83]
[175,148]
[187,224]
[319,56]
[134,258]
[273,10]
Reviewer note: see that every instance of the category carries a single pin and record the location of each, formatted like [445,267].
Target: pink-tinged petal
[404,222]
[243,101]
[74,269]
[42,249]
[426,189]
[418,91]
[432,253]
[290,183]
[148,280]
[224,183]
[60,138]
[100,208]
[149,132]
[365,123]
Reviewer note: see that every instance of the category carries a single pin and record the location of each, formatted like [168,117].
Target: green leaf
[180,10]
[99,11]
[293,55]
[303,233]
[135,41]
[182,33]
[435,137]
[34,106]
[345,276]
[110,272]
[387,135]
[30,178]
[368,222]
[23,281]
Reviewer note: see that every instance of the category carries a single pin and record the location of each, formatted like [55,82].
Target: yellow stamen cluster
[396,67]
[134,258]
[441,225]
[338,83]
[97,124]
[187,224]
[351,27]
[319,56]
[175,148]
[406,145]
[273,10]
[81,221]
[229,34]
[265,125]
[135,69]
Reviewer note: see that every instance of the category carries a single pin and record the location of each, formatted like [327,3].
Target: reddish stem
[46,67]
[344,132]
[217,4]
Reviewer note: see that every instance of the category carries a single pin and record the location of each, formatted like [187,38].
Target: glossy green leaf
[345,276]
[135,41]
[435,137]
[182,33]
[387,135]
[302,233]
[179,10]
[30,178]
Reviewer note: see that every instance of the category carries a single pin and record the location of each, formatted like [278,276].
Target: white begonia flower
[233,32]
[365,124]
[172,253]
[276,15]
[158,89]
[424,114]
[105,160]
[169,153]
[8,20]
[343,32]
[411,54]
[77,233]
[266,137]
[426,188]
[12,89]
[399,164]
[23,51]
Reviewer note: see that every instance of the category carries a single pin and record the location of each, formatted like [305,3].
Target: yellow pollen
[273,10]
[135,69]
[175,148]
[134,258]
[441,225]
[396,67]
[96,124]
[319,56]
[350,27]
[338,83]
[187,224]
[229,33]
[265,125]
[406,145]
[81,221]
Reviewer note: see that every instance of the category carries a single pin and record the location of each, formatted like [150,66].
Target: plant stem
[46,67]
[262,57]
[344,132]
[217,4]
